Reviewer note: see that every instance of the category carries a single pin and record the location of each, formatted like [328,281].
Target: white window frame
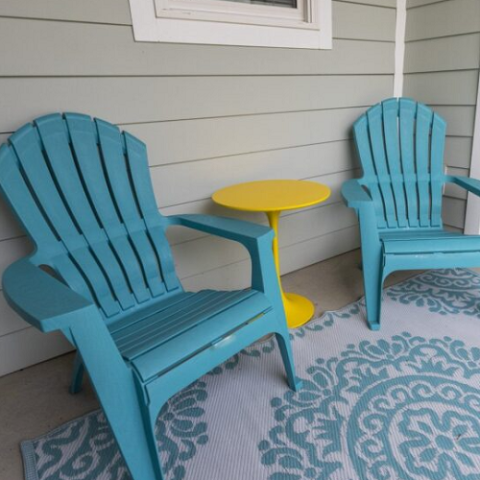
[222,22]
[237,12]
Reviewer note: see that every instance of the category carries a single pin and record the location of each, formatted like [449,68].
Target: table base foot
[298,309]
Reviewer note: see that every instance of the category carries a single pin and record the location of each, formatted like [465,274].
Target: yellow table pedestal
[298,309]
[273,197]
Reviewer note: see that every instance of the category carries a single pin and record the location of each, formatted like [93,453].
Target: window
[267,23]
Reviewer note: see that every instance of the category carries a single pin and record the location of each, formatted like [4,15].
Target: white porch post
[472,218]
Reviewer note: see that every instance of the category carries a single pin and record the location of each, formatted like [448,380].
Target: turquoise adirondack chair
[399,198]
[82,191]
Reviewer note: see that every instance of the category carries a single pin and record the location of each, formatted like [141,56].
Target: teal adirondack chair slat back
[401,146]
[82,191]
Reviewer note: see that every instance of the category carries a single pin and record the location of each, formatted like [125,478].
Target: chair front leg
[124,408]
[373,284]
[283,340]
[372,260]
[265,279]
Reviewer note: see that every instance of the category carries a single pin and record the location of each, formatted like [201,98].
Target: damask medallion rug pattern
[399,404]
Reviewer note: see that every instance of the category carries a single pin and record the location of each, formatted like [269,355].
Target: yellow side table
[273,197]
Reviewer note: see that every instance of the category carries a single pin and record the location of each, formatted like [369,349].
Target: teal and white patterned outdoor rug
[399,404]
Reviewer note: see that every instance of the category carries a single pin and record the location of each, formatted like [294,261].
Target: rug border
[28,457]
[26,446]
[28,452]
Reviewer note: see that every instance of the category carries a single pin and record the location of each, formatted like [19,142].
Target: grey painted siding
[442,60]
[210,115]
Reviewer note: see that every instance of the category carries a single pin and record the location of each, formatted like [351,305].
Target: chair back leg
[77,374]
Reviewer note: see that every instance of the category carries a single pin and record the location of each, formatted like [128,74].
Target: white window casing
[222,22]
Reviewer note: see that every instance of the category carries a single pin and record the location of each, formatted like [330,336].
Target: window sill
[148,27]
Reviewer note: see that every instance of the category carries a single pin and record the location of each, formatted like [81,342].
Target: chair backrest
[82,191]
[401,146]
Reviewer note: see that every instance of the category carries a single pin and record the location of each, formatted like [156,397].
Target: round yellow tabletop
[273,197]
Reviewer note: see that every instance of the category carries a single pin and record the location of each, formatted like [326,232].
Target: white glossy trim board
[149,27]
[472,217]
[399,47]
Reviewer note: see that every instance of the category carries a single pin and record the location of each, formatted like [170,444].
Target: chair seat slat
[460,243]
[144,313]
[155,361]
[160,336]
[161,326]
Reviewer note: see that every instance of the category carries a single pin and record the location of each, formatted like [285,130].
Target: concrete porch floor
[36,400]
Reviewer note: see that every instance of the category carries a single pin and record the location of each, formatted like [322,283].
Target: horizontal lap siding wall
[210,115]
[442,59]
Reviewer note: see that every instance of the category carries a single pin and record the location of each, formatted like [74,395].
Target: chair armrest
[247,233]
[50,305]
[42,300]
[470,184]
[257,239]
[358,199]
[355,195]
